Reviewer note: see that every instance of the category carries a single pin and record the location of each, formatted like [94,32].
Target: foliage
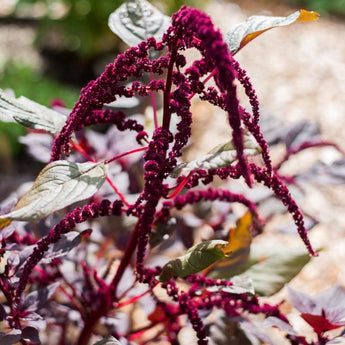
[36,86]
[335,7]
[113,223]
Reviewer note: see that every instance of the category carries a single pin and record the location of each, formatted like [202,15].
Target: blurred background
[49,49]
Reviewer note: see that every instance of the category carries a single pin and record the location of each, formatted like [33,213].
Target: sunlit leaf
[219,157]
[58,185]
[240,239]
[254,26]
[275,266]
[136,20]
[30,114]
[195,260]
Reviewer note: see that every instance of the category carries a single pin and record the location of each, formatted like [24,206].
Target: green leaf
[254,26]
[275,266]
[197,258]
[30,114]
[219,157]
[58,185]
[136,20]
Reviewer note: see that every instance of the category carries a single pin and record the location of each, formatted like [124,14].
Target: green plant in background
[336,7]
[74,25]
[73,35]
[34,86]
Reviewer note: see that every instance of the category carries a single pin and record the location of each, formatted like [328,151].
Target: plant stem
[180,186]
[153,102]
[125,260]
[91,322]
[168,84]
[125,154]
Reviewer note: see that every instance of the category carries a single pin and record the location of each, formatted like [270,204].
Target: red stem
[304,146]
[125,260]
[91,322]
[180,186]
[168,84]
[103,309]
[154,105]
[135,298]
[125,154]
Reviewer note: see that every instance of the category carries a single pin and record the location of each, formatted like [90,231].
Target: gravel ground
[299,72]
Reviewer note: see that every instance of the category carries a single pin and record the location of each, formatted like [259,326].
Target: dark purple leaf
[224,331]
[13,262]
[38,145]
[66,243]
[302,302]
[3,313]
[10,338]
[255,332]
[162,231]
[273,321]
[7,230]
[329,304]
[108,340]
[121,322]
[34,320]
[300,132]
[273,129]
[290,227]
[323,174]
[31,334]
[37,299]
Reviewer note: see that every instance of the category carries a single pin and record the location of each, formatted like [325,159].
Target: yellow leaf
[4,222]
[236,251]
[307,16]
[240,237]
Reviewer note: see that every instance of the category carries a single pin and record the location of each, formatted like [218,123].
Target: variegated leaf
[254,26]
[136,20]
[30,114]
[58,185]
[219,157]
